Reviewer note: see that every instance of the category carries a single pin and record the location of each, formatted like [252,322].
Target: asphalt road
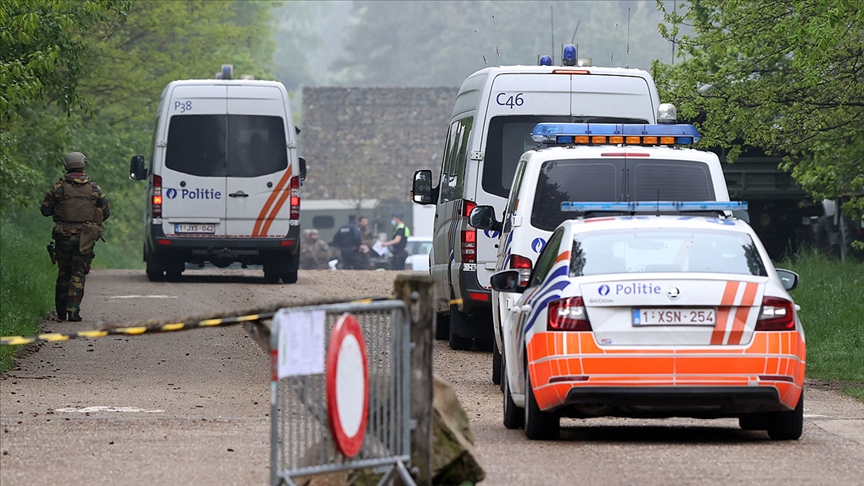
[192,407]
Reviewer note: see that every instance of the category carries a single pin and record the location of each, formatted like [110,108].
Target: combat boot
[74,316]
[61,315]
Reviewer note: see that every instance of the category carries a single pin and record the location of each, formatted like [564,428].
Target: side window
[455,153]
[547,258]
[511,202]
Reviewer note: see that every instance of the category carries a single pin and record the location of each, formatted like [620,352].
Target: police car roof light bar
[653,206]
[615,133]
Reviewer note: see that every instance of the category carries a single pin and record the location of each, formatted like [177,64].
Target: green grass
[831,296]
[26,279]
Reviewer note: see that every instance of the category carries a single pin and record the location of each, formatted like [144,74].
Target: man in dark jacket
[347,239]
[78,207]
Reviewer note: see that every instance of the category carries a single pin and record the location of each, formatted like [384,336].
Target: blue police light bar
[653,206]
[545,61]
[568,133]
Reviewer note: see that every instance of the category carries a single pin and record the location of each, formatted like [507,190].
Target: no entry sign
[347,383]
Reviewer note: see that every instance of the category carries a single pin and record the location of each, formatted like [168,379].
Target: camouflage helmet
[75,160]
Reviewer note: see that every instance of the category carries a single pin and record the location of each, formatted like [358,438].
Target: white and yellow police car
[665,311]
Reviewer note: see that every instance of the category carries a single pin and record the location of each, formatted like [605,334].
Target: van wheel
[173,275]
[457,342]
[513,415]
[496,363]
[787,425]
[290,276]
[271,277]
[155,268]
[442,327]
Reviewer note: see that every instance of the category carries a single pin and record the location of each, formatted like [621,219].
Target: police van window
[197,145]
[454,159]
[508,138]
[514,196]
[573,180]
[547,258]
[669,180]
[256,145]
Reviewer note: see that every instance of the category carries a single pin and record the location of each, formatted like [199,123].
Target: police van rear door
[259,169]
[193,176]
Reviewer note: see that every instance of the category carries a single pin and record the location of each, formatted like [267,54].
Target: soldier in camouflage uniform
[78,207]
[314,252]
[367,240]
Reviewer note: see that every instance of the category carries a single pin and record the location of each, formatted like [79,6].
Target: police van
[590,162]
[495,110]
[223,185]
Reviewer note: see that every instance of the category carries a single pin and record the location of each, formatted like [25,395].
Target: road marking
[106,409]
[143,297]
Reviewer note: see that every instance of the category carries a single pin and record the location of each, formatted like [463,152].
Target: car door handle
[238,194]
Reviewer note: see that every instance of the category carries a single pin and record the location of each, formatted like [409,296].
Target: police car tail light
[519,262]
[294,198]
[157,196]
[469,246]
[776,315]
[568,315]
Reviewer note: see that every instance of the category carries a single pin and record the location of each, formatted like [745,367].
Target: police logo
[673,293]
[491,234]
[171,193]
[603,290]
[538,244]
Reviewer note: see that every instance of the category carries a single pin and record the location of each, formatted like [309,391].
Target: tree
[785,76]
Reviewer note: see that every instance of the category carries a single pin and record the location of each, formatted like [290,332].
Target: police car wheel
[539,425]
[513,416]
[787,425]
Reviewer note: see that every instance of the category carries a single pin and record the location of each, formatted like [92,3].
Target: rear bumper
[669,401]
[202,248]
[706,381]
[474,296]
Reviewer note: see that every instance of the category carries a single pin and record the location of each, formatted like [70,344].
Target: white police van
[493,115]
[224,179]
[590,162]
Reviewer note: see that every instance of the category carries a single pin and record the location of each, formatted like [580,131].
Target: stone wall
[366,143]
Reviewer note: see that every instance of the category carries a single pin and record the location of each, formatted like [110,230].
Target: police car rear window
[226,145]
[665,250]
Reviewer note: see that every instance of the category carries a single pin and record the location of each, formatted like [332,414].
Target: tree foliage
[783,75]
[101,96]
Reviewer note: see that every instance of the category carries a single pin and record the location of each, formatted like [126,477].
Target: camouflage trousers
[74,268]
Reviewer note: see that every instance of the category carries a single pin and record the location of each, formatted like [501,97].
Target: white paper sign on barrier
[301,342]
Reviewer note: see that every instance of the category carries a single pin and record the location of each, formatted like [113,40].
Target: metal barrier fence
[301,440]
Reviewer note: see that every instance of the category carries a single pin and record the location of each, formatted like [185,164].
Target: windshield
[510,136]
[664,250]
[226,145]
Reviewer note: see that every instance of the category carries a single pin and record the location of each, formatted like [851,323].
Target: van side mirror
[137,172]
[483,217]
[422,191]
[506,281]
[302,169]
[788,277]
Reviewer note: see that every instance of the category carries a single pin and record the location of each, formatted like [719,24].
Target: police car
[661,310]
[591,162]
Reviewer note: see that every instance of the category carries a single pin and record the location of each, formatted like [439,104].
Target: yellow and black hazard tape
[156,328]
[132,331]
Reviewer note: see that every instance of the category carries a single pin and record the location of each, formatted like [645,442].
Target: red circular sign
[347,381]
